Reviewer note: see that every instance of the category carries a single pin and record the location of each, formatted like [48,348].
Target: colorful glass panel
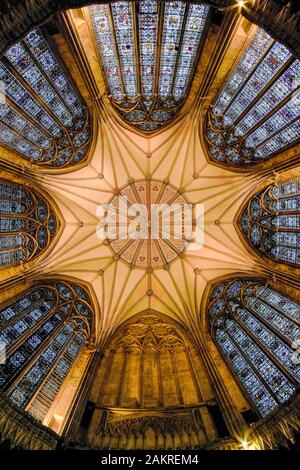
[148,79]
[41,116]
[43,331]
[271,222]
[256,114]
[255,327]
[28,223]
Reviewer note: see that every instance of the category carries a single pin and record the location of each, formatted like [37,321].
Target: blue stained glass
[21,214]
[103,29]
[42,53]
[55,379]
[148,30]
[257,113]
[195,24]
[274,225]
[148,79]
[279,384]
[254,53]
[280,140]
[287,306]
[250,380]
[173,23]
[274,61]
[255,326]
[12,139]
[123,24]
[279,349]
[44,331]
[286,84]
[26,387]
[41,110]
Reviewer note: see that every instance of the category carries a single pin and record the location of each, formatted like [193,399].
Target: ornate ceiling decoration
[150,333]
[257,113]
[41,116]
[155,242]
[148,51]
[157,165]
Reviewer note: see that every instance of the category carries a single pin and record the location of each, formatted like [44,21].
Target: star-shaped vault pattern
[174,157]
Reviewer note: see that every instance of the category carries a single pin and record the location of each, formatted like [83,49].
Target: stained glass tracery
[148,79]
[257,113]
[254,327]
[44,331]
[271,222]
[28,223]
[41,116]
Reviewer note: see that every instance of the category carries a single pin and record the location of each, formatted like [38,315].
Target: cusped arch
[256,115]
[254,325]
[43,119]
[44,330]
[148,52]
[30,223]
[269,223]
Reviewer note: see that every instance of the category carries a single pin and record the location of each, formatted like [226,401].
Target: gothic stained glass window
[41,116]
[148,79]
[28,223]
[270,222]
[257,113]
[43,331]
[254,326]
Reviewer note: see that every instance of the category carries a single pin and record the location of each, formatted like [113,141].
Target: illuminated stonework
[156,242]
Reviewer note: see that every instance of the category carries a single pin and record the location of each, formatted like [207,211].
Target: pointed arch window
[270,222]
[257,113]
[28,224]
[41,115]
[43,331]
[254,326]
[148,50]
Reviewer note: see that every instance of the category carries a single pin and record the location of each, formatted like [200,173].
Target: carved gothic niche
[257,112]
[44,330]
[150,379]
[42,117]
[270,222]
[152,432]
[29,223]
[150,364]
[254,327]
[148,51]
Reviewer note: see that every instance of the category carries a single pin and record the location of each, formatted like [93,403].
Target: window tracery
[41,116]
[43,331]
[28,223]
[257,113]
[148,78]
[271,222]
[254,327]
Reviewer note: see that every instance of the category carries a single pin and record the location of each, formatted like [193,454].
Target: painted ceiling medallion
[145,236]
[148,51]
